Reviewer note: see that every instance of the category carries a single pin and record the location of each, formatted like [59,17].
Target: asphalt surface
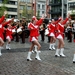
[13,62]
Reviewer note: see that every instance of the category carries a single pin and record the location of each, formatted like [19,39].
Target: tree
[38,14]
[27,13]
[3,7]
[24,12]
[30,14]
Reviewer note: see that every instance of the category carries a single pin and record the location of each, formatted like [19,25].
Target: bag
[46,31]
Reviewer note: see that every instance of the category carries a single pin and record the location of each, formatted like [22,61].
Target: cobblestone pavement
[14,62]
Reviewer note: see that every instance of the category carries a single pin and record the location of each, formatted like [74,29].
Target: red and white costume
[9,32]
[60,29]
[34,29]
[52,28]
[2,29]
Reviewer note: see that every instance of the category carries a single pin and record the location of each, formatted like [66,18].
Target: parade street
[13,62]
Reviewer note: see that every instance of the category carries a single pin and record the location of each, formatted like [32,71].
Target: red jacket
[34,29]
[60,26]
[2,29]
[52,27]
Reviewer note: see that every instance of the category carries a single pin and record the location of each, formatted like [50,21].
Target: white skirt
[52,34]
[34,39]
[8,38]
[59,36]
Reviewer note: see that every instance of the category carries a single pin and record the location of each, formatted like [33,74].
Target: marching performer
[52,28]
[34,29]
[60,36]
[9,36]
[1,31]
[2,24]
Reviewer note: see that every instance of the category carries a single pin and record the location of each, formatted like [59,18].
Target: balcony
[54,12]
[55,4]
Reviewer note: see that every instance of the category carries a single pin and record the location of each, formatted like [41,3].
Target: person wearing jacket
[2,24]
[9,34]
[34,33]
[52,28]
[60,37]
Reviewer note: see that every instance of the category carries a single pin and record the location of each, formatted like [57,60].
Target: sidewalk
[14,62]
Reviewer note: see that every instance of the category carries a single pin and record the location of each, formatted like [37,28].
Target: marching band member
[1,31]
[42,32]
[2,24]
[73,29]
[60,36]
[9,36]
[34,29]
[69,32]
[17,35]
[47,27]
[52,27]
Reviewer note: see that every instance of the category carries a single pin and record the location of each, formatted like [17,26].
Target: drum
[13,31]
[19,30]
[46,31]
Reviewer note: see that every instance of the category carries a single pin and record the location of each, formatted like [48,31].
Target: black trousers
[17,37]
[74,34]
[42,35]
[23,36]
[70,36]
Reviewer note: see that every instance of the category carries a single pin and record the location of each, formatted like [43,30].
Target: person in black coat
[42,31]
[24,24]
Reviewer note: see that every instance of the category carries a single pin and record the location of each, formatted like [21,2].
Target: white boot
[7,46]
[61,52]
[37,55]
[74,58]
[57,53]
[53,46]
[0,51]
[29,56]
[32,51]
[50,46]
[35,48]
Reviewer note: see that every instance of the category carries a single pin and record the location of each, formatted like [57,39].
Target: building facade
[31,7]
[11,8]
[71,8]
[40,7]
[24,8]
[58,8]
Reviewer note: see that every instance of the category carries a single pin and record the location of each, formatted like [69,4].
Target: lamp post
[62,9]
[26,9]
[67,7]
